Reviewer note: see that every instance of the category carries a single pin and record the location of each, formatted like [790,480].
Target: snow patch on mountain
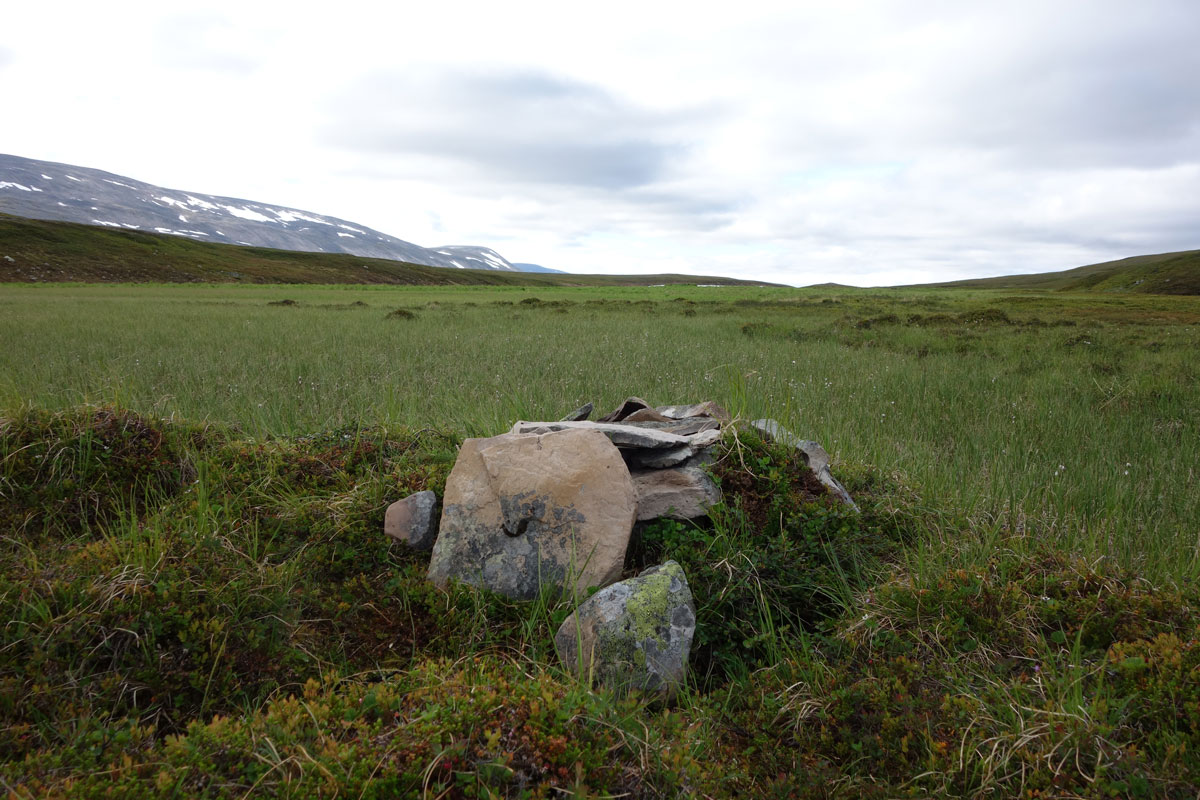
[125,202]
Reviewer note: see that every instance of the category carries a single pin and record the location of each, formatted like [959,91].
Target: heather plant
[199,599]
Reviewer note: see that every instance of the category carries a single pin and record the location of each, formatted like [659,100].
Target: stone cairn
[554,503]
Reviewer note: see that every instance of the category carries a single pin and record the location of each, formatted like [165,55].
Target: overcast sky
[869,143]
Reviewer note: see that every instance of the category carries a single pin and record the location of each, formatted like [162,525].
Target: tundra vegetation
[198,599]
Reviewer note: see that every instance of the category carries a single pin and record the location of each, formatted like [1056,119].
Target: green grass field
[1012,615]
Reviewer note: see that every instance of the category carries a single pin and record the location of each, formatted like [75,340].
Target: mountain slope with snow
[52,191]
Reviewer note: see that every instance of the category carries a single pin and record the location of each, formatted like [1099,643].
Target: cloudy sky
[869,142]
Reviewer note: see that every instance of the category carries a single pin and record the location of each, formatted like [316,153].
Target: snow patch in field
[61,203]
[106,222]
[131,225]
[118,183]
[47,177]
[182,218]
[348,228]
[347,235]
[171,201]
[73,178]
[9,184]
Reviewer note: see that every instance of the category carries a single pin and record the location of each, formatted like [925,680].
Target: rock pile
[554,504]
[664,448]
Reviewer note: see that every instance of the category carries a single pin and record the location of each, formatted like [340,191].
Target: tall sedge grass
[1084,436]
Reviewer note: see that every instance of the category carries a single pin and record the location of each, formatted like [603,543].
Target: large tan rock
[524,510]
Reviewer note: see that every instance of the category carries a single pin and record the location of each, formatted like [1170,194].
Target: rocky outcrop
[525,510]
[413,520]
[813,454]
[635,634]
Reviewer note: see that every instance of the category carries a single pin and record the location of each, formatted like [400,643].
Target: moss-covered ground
[198,599]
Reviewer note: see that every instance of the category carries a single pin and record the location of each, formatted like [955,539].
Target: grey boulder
[522,511]
[635,634]
[413,520]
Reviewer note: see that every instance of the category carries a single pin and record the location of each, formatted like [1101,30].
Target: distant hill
[536,268]
[40,250]
[68,193]
[1165,273]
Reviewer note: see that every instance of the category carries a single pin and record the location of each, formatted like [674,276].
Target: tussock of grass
[211,609]
[255,632]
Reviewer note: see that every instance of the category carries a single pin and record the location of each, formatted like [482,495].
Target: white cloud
[864,142]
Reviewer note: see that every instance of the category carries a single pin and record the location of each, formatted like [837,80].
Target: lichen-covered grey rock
[684,492]
[635,634]
[814,455]
[413,520]
[525,510]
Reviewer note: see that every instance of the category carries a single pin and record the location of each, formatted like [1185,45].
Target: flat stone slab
[581,413]
[522,511]
[684,492]
[631,406]
[635,634]
[661,459]
[620,435]
[706,409]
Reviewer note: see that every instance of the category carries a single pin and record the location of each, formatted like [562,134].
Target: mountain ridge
[50,190]
[48,251]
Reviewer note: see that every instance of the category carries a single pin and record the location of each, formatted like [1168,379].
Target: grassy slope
[1165,273]
[64,251]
